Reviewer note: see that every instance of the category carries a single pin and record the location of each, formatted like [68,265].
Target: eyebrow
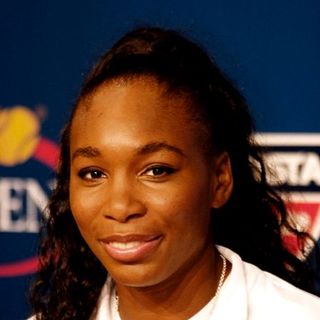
[91,152]
[86,152]
[158,146]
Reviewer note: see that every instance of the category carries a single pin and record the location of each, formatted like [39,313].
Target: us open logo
[295,160]
[25,156]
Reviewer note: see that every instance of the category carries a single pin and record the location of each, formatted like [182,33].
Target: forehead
[134,93]
[140,102]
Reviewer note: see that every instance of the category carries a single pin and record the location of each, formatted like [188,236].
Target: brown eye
[159,171]
[91,174]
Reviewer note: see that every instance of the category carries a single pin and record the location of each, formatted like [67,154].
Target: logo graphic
[20,141]
[295,161]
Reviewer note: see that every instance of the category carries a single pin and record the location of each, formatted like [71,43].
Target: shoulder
[278,297]
[267,296]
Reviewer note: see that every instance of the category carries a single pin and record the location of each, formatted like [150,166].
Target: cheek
[184,217]
[184,208]
[84,210]
[84,207]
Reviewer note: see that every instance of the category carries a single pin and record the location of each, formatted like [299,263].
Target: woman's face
[141,187]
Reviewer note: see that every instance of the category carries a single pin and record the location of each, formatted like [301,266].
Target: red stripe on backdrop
[22,268]
[47,152]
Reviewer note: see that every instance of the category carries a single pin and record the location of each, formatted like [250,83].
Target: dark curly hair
[251,223]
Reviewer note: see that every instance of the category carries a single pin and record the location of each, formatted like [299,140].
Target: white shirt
[248,293]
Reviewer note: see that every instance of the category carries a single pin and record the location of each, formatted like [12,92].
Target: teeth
[125,245]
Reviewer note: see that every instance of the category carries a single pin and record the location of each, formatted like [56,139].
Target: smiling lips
[130,248]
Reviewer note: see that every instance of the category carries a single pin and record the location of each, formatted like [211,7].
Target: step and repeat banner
[271,50]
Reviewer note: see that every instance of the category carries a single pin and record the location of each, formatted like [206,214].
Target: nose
[123,201]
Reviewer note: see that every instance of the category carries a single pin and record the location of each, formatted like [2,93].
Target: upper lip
[125,238]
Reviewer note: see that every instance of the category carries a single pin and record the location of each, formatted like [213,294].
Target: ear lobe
[222,181]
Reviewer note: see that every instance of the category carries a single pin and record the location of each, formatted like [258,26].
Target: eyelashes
[157,171]
[91,174]
[154,172]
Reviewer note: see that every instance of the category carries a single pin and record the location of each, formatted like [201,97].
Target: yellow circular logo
[19,135]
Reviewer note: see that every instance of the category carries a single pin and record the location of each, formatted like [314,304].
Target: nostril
[134,216]
[109,216]
[122,205]
[124,217]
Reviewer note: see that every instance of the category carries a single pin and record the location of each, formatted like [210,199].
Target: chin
[137,276]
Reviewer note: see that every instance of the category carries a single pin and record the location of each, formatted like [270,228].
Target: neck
[179,297]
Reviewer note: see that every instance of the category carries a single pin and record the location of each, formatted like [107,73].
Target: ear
[222,180]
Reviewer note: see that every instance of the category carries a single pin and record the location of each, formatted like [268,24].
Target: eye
[91,174]
[159,171]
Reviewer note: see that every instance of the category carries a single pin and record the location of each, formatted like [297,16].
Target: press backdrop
[270,48]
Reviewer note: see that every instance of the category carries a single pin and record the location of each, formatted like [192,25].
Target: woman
[157,168]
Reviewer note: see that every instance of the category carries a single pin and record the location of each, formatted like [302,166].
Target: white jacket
[247,294]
